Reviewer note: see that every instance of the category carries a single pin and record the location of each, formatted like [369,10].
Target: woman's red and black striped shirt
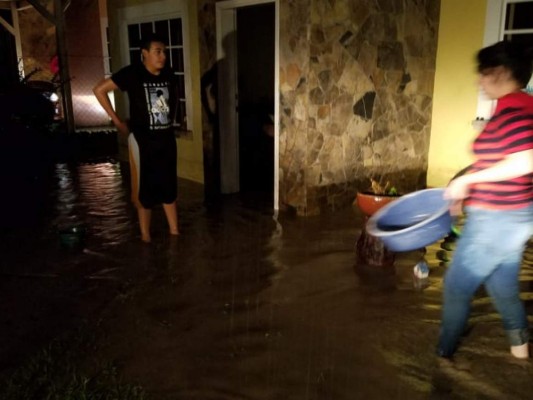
[510,130]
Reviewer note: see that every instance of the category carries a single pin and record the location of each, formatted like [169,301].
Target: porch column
[63,64]
[16,33]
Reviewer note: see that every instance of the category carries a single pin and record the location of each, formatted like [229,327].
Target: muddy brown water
[244,304]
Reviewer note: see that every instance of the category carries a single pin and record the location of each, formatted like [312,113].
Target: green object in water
[72,237]
[456,230]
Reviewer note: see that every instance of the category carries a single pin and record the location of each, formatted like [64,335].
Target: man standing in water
[152,94]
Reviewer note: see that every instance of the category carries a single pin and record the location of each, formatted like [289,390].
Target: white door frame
[228,126]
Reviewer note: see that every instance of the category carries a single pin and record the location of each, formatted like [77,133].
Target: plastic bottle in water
[421,269]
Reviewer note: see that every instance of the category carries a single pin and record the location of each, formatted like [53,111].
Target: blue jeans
[488,252]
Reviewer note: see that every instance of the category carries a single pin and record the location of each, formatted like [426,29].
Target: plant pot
[369,202]
[370,250]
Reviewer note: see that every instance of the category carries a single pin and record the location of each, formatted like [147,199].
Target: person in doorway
[208,97]
[152,92]
[497,197]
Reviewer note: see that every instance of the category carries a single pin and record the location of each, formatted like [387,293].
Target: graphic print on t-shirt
[157,98]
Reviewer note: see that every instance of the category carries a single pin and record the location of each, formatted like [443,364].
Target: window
[506,20]
[518,24]
[172,30]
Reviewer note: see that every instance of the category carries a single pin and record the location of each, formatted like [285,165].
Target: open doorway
[255,87]
[248,106]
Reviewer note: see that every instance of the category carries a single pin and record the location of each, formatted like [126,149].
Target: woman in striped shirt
[497,196]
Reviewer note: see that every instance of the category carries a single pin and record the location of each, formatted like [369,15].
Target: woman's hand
[456,208]
[457,189]
[456,192]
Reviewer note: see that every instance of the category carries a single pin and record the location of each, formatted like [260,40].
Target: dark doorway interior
[8,55]
[255,49]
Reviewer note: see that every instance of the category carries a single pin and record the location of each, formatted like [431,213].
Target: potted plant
[370,250]
[371,200]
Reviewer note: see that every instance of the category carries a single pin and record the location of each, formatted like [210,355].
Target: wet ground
[243,304]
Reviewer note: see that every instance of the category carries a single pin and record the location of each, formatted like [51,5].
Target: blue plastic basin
[413,221]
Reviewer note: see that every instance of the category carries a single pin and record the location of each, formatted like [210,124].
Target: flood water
[244,304]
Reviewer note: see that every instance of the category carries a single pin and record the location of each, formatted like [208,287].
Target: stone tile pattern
[356,79]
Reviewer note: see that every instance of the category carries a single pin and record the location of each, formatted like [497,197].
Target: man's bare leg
[171,213]
[145,216]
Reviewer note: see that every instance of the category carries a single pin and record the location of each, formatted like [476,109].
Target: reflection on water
[245,304]
[93,195]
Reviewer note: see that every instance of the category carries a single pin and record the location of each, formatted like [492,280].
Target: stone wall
[356,86]
[356,96]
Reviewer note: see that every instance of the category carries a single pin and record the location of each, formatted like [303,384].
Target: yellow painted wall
[461,31]
[190,149]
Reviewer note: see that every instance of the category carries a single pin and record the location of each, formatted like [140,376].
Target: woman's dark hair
[148,39]
[513,56]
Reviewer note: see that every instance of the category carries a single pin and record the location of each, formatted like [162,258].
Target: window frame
[503,30]
[495,31]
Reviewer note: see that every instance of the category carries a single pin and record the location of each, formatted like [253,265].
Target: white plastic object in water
[421,269]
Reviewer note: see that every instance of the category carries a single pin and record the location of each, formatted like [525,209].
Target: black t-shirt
[152,97]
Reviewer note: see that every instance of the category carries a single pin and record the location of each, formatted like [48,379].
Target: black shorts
[153,162]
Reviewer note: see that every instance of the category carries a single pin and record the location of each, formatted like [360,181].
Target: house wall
[356,97]
[86,63]
[190,160]
[356,80]
[455,99]
[84,49]
[361,92]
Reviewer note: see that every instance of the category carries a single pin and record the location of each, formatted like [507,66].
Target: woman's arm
[514,165]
